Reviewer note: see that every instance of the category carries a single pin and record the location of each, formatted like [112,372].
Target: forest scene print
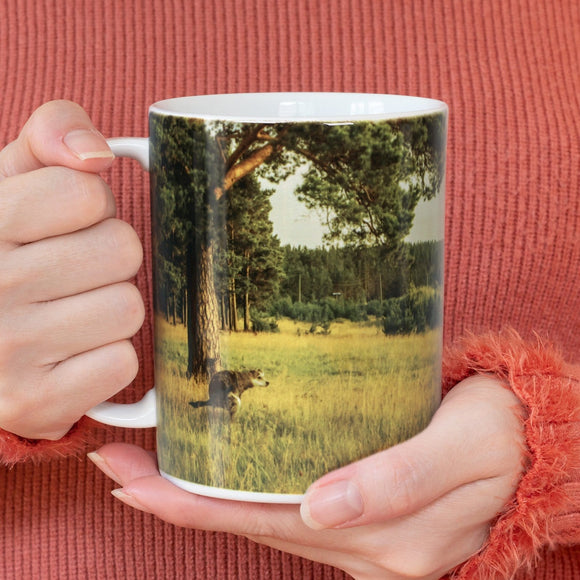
[298,312]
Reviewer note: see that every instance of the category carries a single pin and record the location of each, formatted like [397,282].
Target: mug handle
[144,412]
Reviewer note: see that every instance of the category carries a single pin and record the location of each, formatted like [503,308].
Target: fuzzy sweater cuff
[15,449]
[545,511]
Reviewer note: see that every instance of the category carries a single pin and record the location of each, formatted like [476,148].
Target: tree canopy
[211,224]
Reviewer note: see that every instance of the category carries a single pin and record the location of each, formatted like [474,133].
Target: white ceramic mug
[298,250]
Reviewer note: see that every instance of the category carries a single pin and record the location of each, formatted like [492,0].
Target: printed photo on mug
[297,244]
[298,272]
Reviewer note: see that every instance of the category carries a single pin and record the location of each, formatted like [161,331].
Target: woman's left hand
[415,510]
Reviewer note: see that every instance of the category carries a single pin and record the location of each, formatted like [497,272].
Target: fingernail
[128,499]
[103,466]
[331,505]
[87,144]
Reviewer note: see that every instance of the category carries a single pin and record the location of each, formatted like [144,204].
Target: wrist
[544,510]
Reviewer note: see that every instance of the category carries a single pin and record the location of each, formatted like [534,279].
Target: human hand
[415,510]
[66,308]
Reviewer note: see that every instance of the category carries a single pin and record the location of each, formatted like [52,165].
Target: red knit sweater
[508,70]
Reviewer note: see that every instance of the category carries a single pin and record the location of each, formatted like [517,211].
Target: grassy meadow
[332,399]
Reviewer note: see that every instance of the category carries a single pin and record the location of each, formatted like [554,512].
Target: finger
[278,526]
[134,462]
[158,495]
[55,331]
[135,470]
[52,201]
[102,373]
[143,487]
[475,434]
[370,552]
[443,534]
[57,133]
[106,253]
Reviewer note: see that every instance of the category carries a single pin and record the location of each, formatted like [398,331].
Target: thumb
[473,435]
[381,487]
[57,133]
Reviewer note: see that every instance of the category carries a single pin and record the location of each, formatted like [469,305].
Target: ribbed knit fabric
[508,70]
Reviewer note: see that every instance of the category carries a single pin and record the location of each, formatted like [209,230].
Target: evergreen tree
[366,177]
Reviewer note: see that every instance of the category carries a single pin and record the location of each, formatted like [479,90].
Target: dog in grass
[226,388]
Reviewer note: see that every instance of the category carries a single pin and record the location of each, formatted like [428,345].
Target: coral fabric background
[508,70]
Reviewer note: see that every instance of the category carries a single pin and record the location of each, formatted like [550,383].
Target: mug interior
[288,107]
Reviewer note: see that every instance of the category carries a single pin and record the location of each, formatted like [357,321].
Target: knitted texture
[507,69]
[546,508]
[14,449]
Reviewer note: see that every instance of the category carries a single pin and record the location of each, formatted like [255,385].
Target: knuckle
[12,280]
[52,201]
[416,566]
[124,364]
[14,342]
[124,242]
[47,111]
[17,405]
[130,307]
[7,167]
[96,199]
[47,115]
[406,477]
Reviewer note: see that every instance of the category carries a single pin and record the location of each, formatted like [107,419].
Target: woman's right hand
[67,308]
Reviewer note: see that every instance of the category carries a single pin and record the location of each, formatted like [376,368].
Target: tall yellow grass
[332,399]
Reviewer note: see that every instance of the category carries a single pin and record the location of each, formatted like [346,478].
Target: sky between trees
[295,224]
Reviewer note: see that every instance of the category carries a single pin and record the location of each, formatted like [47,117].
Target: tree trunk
[247,301]
[233,307]
[224,311]
[184,307]
[203,314]
[247,312]
[165,301]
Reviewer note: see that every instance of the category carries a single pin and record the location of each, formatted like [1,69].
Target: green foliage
[415,312]
[354,284]
[368,177]
[213,237]
[180,183]
[359,274]
[263,323]
[248,259]
[321,312]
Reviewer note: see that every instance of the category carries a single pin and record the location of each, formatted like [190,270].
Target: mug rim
[283,107]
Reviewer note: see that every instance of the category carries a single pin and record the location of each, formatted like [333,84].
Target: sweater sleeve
[545,510]
[15,449]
